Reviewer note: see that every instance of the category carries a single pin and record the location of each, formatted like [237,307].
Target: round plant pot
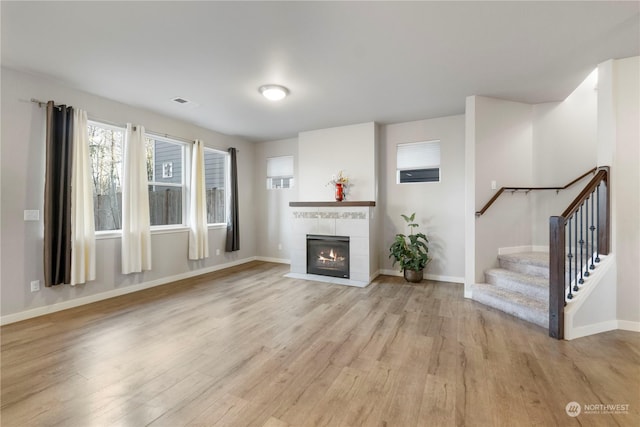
[413,276]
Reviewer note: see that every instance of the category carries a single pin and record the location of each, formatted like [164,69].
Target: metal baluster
[587,249]
[570,255]
[575,257]
[592,228]
[598,204]
[580,280]
[586,232]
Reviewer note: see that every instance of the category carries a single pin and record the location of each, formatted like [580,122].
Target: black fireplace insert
[328,255]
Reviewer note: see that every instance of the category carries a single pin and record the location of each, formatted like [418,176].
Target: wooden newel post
[556,276]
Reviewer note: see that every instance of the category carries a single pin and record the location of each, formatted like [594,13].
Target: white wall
[324,152]
[595,312]
[503,141]
[439,207]
[618,136]
[22,176]
[564,147]
[272,206]
[626,189]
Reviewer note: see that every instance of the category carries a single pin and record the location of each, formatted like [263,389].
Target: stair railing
[577,238]
[528,189]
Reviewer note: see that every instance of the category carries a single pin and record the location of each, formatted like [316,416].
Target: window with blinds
[279,172]
[418,162]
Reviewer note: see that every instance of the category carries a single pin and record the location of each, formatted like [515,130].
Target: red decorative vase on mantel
[339,192]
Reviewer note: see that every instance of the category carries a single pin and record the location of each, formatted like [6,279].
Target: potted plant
[410,251]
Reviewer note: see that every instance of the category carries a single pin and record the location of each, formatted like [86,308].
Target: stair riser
[528,269]
[516,310]
[533,291]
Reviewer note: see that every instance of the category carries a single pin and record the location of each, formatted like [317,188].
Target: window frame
[102,234]
[186,173]
[187,151]
[227,186]
[399,170]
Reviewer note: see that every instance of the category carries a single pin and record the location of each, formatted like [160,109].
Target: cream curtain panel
[198,230]
[136,223]
[83,241]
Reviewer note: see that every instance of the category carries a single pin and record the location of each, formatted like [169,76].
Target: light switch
[493,185]
[32,215]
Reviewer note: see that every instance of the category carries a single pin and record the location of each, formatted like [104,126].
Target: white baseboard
[276,260]
[76,302]
[374,275]
[435,277]
[596,328]
[627,325]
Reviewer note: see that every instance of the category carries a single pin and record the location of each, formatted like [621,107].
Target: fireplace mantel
[346,204]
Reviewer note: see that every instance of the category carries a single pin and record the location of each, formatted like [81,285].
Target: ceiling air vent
[180,100]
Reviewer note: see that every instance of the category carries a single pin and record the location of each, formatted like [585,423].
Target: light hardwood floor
[248,347]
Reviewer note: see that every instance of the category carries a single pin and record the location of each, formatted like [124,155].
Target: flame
[331,257]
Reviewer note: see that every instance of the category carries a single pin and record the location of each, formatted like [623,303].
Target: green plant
[411,252]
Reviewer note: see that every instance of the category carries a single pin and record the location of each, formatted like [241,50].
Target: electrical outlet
[493,185]
[218,252]
[279,246]
[35,285]
[32,215]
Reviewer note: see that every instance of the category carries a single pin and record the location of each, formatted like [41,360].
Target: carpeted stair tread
[533,286]
[514,303]
[540,259]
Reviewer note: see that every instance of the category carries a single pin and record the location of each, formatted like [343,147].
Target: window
[418,162]
[279,172]
[166,176]
[105,155]
[167,173]
[215,169]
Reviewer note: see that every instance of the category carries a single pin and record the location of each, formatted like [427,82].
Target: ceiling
[344,62]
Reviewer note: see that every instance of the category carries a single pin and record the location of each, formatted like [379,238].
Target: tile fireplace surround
[357,220]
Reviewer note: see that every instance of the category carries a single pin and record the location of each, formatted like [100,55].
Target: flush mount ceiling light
[274,92]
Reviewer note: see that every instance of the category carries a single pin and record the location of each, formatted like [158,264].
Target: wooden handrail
[601,175]
[527,189]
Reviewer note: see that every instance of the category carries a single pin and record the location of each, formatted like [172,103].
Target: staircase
[520,287]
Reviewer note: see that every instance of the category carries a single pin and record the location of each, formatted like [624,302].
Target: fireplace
[328,255]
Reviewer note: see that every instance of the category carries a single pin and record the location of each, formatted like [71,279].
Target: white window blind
[279,172]
[418,155]
[280,166]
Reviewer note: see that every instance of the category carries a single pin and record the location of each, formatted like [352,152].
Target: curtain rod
[41,103]
[120,125]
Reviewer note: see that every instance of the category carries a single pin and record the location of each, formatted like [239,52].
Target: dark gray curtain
[57,195]
[233,229]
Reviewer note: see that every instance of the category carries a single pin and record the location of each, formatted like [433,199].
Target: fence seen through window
[167,172]
[105,154]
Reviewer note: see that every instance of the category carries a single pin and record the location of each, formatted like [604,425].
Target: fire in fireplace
[328,255]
